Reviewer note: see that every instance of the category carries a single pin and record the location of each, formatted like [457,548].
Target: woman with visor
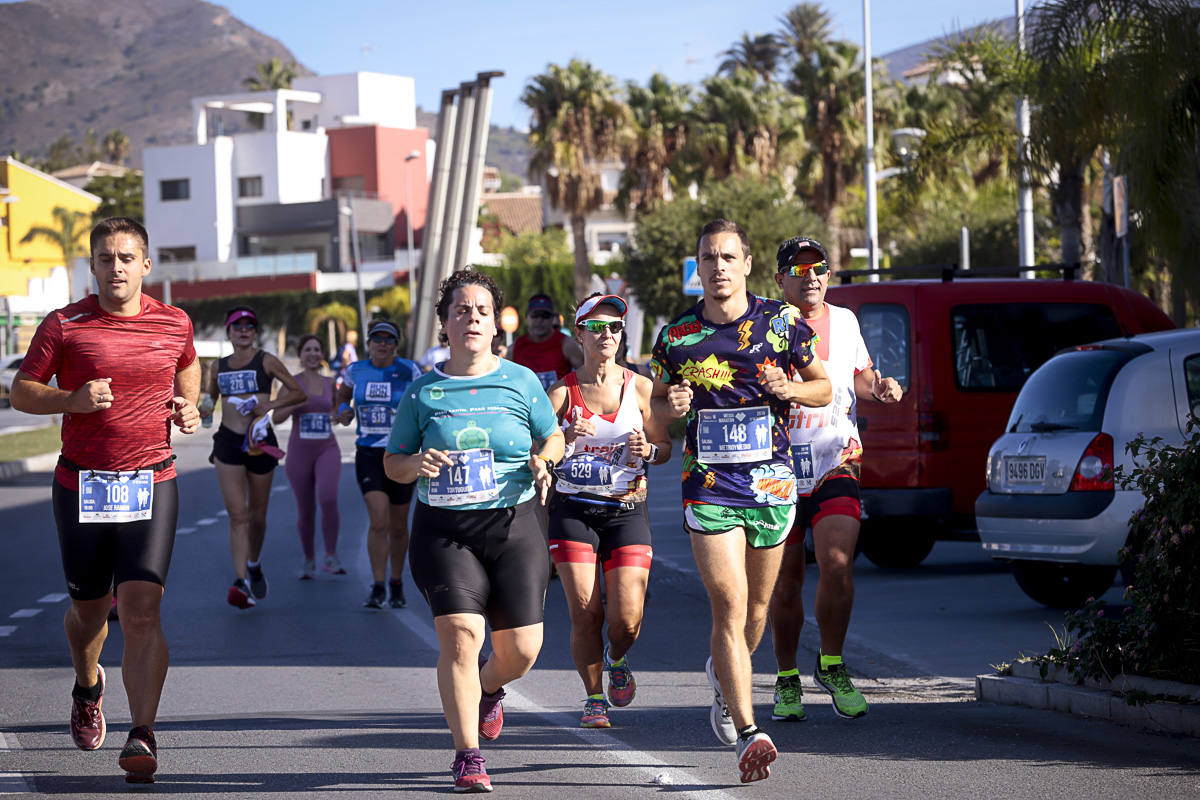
[599,532]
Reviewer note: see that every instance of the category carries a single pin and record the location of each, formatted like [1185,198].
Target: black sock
[747,732]
[377,586]
[396,582]
[88,694]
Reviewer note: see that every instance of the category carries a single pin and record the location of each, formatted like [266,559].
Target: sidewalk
[14,469]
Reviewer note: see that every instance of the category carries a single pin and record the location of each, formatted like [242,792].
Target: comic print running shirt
[736,450]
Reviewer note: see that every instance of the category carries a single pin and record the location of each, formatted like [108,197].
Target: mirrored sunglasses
[598,326]
[800,270]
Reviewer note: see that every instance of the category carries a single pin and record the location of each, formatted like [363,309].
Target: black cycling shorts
[834,497]
[493,562]
[581,531]
[227,448]
[368,470]
[99,555]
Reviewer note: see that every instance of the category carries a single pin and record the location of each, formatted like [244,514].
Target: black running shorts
[836,496]
[493,562]
[619,537]
[227,448]
[97,556]
[368,470]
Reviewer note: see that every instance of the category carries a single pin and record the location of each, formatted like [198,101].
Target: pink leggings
[313,474]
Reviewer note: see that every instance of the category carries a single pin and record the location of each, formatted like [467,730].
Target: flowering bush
[1158,635]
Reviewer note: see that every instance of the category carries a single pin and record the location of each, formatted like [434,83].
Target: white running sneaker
[718,715]
[307,570]
[755,754]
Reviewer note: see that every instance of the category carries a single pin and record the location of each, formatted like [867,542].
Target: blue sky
[444,42]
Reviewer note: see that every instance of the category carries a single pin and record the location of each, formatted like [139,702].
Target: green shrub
[1158,635]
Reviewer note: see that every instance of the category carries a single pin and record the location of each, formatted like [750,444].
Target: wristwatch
[550,465]
[653,454]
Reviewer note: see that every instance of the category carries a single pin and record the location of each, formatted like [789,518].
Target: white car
[8,371]
[1051,506]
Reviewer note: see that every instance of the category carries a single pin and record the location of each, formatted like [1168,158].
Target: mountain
[508,148]
[132,65]
[135,65]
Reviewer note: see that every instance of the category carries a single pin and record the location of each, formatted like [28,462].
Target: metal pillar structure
[476,153]
[1025,184]
[425,325]
[448,253]
[872,222]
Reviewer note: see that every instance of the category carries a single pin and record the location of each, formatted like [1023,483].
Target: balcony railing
[243,267]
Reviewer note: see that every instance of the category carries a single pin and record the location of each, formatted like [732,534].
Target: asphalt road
[309,695]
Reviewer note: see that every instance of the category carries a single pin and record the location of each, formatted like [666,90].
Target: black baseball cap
[793,251]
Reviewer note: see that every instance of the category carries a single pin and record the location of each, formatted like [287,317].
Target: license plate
[1025,469]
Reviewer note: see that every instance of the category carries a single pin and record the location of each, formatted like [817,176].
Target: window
[996,347]
[169,254]
[175,189]
[1191,368]
[250,187]
[885,330]
[354,185]
[1068,394]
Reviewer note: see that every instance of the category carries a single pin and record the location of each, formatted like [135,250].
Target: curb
[14,469]
[1058,692]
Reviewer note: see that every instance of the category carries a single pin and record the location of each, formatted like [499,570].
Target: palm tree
[577,122]
[759,54]
[658,116]
[268,77]
[116,147]
[805,27]
[67,237]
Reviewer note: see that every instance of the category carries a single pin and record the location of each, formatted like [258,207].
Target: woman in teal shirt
[479,436]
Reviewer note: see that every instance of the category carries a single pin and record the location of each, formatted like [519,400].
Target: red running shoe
[469,772]
[491,714]
[87,720]
[239,595]
[139,757]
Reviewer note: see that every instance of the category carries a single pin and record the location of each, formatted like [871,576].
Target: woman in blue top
[375,385]
[479,433]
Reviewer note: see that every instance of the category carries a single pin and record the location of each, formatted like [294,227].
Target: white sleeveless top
[601,464]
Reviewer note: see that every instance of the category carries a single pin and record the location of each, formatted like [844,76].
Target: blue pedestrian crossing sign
[691,279]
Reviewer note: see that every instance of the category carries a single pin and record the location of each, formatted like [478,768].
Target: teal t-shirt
[504,411]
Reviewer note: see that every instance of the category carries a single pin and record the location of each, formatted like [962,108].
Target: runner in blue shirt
[480,435]
[375,385]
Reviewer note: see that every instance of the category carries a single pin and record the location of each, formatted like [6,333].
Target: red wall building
[370,160]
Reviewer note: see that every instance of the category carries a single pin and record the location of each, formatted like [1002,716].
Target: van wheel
[1062,585]
[897,543]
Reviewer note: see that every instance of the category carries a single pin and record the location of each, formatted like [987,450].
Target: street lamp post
[872,223]
[348,210]
[408,233]
[6,344]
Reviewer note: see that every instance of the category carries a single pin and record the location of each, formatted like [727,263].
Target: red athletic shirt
[543,356]
[141,354]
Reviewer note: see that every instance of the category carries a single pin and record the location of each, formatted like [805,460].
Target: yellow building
[27,199]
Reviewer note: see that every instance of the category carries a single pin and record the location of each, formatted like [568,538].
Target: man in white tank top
[827,457]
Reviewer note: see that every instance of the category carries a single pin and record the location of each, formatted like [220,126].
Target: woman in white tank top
[598,524]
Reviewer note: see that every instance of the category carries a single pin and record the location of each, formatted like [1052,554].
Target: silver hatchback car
[1051,506]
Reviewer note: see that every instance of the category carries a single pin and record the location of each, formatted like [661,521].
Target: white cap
[589,305]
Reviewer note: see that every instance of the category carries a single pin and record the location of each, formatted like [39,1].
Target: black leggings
[98,555]
[493,562]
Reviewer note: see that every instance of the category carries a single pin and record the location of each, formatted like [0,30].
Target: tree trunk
[583,269]
[1067,200]
[1108,233]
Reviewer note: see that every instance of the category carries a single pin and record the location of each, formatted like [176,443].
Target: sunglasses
[598,326]
[381,339]
[800,270]
[244,325]
[540,315]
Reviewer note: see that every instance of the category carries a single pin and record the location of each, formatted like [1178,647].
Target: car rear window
[1191,368]
[884,328]
[1067,393]
[997,346]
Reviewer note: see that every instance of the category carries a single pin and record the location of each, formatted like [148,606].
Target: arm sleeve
[800,354]
[542,419]
[660,365]
[405,437]
[348,376]
[862,359]
[188,354]
[44,358]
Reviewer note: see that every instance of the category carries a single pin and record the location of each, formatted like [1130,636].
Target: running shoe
[789,699]
[469,772]
[595,713]
[239,594]
[755,754]
[848,702]
[396,594]
[621,685]
[308,570]
[491,714]
[258,581]
[718,715]
[333,564]
[377,597]
[87,720]
[139,757]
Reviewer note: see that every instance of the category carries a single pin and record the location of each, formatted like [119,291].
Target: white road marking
[12,782]
[206,521]
[279,489]
[53,598]
[184,531]
[25,613]
[7,630]
[222,513]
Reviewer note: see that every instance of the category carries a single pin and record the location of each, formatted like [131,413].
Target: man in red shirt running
[127,370]
[545,349]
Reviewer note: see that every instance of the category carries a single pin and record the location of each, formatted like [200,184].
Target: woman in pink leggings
[314,461]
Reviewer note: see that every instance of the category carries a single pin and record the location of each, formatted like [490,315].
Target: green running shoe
[848,702]
[789,699]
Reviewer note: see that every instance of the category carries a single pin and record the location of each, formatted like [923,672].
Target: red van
[961,348]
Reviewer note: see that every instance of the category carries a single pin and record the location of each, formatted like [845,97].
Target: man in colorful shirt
[827,453]
[727,364]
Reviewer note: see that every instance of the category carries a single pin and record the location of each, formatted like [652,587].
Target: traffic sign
[691,278]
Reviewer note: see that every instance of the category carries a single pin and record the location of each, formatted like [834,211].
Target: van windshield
[1067,393]
[997,346]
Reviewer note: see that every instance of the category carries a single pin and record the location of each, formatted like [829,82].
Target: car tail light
[931,430]
[1095,470]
